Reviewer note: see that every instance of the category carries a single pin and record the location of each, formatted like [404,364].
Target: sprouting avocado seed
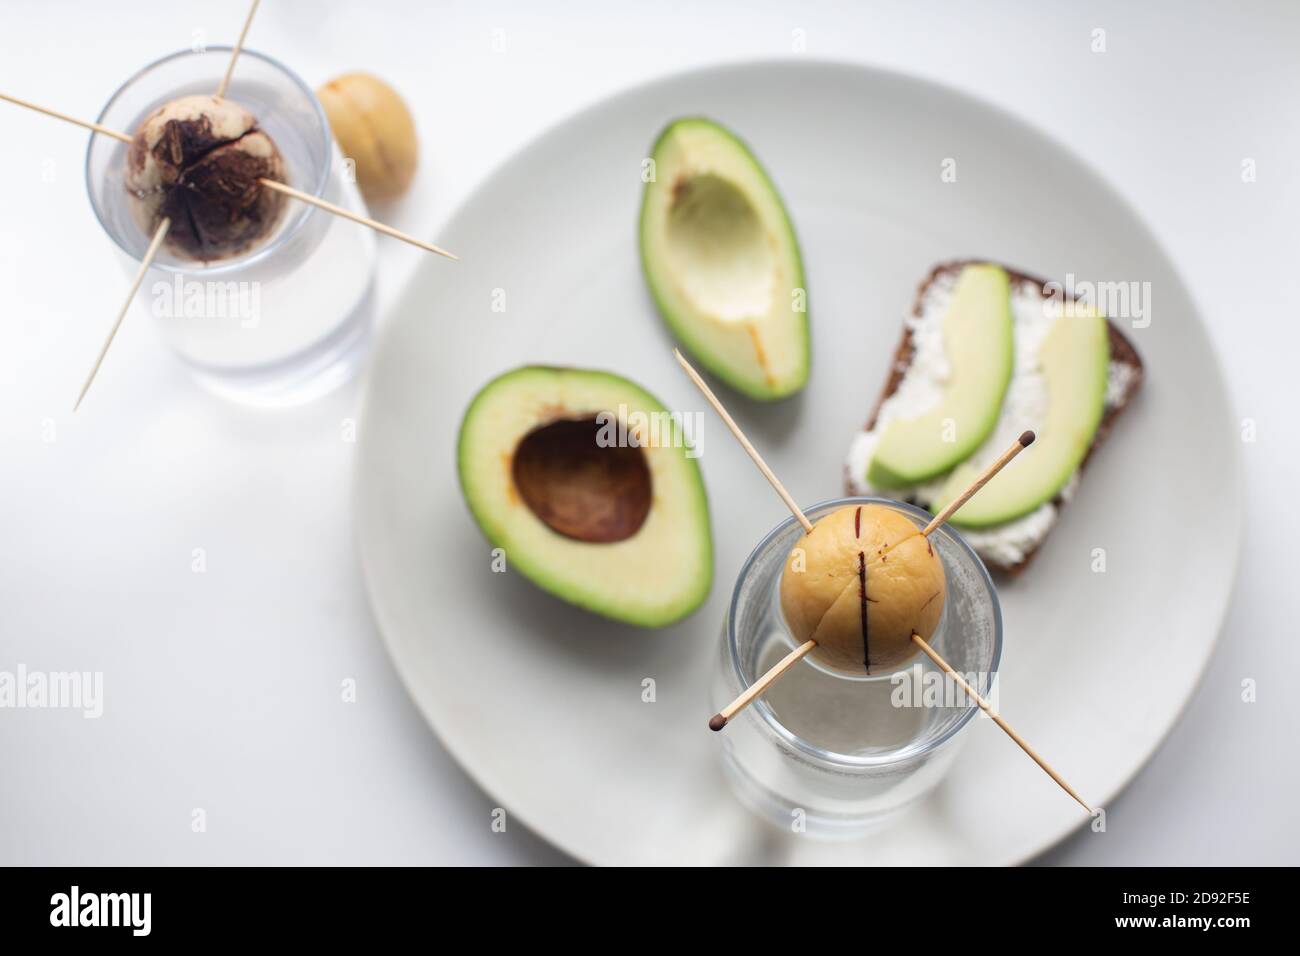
[374,129]
[199,162]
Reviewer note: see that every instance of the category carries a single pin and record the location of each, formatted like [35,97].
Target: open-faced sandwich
[987,353]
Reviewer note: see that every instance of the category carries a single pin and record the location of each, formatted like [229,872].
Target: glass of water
[288,319]
[834,754]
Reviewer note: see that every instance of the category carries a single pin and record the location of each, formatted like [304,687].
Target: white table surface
[222,689]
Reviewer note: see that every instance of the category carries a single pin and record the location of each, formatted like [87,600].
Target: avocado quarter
[722,261]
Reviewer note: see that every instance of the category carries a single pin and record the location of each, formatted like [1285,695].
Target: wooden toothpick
[931,653]
[744,442]
[347,214]
[234,54]
[152,251]
[93,127]
[1021,443]
[760,686]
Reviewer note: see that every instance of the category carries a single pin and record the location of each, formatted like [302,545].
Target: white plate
[541,703]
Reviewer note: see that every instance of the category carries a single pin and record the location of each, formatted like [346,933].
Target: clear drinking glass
[834,751]
[289,319]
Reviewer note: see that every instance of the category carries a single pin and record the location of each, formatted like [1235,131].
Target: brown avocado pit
[579,488]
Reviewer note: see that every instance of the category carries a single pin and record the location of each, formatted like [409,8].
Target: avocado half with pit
[586,482]
[722,261]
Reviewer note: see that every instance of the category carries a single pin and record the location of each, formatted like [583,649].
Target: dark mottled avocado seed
[198,161]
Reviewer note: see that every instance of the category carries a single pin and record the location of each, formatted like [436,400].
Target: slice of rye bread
[1121,353]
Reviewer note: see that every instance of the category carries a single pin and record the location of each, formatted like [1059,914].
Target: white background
[223,689]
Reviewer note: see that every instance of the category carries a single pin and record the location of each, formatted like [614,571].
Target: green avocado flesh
[584,480]
[1075,361]
[722,261]
[978,341]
